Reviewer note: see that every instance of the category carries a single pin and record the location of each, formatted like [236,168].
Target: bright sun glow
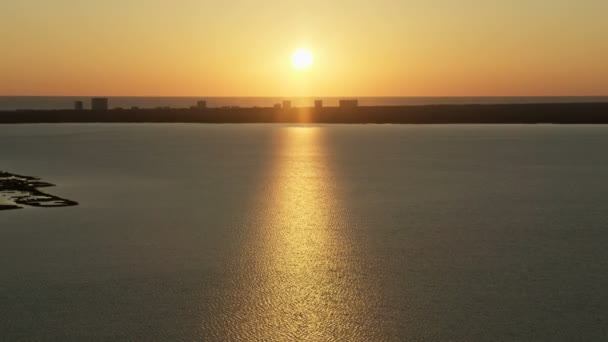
[302,59]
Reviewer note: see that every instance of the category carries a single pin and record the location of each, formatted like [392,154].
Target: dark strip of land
[562,113]
[23,190]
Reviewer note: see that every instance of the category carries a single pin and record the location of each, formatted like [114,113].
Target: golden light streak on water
[304,278]
[305,282]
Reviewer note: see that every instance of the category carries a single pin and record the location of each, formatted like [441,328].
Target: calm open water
[308,233]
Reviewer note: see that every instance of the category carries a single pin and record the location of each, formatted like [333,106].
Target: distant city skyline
[360,48]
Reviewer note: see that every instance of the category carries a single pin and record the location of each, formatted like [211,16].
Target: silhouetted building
[286,104]
[277,106]
[201,104]
[78,105]
[99,104]
[318,104]
[349,103]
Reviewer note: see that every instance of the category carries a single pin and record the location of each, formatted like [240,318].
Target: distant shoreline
[556,113]
[8,103]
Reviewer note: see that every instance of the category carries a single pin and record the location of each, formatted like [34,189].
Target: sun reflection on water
[302,239]
[303,283]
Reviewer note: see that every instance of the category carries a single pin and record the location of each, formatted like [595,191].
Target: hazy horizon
[11,103]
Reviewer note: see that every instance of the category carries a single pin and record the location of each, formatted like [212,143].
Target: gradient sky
[362,48]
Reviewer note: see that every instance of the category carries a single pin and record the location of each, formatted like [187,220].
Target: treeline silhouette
[568,113]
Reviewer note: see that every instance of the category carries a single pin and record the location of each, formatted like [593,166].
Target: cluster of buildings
[97,104]
[102,104]
[318,104]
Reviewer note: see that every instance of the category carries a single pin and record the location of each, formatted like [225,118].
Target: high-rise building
[318,104]
[99,104]
[286,104]
[78,105]
[349,103]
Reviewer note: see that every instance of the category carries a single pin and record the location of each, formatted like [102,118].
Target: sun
[302,59]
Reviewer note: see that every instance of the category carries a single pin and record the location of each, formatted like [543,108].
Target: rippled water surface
[308,233]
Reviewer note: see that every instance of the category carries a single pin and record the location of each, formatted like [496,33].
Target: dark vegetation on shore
[23,190]
[562,113]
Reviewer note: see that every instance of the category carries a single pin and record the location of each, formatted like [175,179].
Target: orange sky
[361,48]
